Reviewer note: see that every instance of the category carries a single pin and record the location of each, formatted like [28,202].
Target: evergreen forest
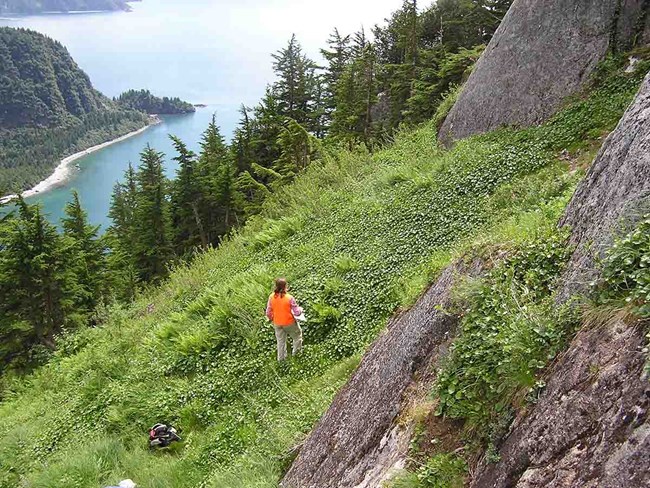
[49,109]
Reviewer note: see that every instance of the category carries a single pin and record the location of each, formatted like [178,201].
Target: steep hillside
[543,52]
[48,109]
[42,6]
[42,86]
[358,236]
[590,428]
[366,434]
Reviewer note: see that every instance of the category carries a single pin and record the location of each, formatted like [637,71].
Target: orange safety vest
[281,310]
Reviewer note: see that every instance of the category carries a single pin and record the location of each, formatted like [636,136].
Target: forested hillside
[42,86]
[48,109]
[145,101]
[43,6]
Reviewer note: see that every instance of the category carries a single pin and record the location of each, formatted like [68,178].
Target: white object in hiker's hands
[300,318]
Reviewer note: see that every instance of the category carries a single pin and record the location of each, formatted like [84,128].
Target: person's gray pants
[295,332]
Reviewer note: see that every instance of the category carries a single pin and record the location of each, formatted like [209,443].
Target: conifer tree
[356,96]
[152,247]
[187,223]
[120,239]
[267,127]
[17,334]
[37,286]
[337,55]
[122,209]
[297,150]
[253,192]
[296,83]
[86,256]
[217,175]
[242,147]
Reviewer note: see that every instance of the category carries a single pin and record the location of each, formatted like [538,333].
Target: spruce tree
[187,224]
[122,209]
[242,147]
[296,84]
[121,238]
[337,55]
[266,129]
[152,247]
[217,176]
[297,150]
[38,289]
[17,334]
[356,95]
[86,256]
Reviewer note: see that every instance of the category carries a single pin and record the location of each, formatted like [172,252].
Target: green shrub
[511,329]
[626,271]
[448,101]
[440,471]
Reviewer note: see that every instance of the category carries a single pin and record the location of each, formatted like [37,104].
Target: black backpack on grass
[161,435]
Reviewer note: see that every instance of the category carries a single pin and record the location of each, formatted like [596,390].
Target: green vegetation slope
[358,235]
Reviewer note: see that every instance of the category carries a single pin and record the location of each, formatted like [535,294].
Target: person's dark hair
[280,286]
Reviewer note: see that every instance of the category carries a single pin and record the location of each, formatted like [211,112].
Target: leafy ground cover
[358,235]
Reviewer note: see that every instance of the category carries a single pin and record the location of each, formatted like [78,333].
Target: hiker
[282,310]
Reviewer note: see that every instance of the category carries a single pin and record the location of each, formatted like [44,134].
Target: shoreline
[62,172]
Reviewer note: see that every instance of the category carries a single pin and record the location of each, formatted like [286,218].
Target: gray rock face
[591,427]
[358,441]
[544,51]
[615,192]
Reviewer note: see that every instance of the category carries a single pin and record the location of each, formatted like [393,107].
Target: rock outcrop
[591,427]
[544,51]
[360,440]
[614,194]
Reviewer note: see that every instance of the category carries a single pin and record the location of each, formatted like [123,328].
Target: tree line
[368,87]
[145,101]
[28,154]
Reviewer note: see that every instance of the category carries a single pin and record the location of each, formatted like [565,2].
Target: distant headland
[25,7]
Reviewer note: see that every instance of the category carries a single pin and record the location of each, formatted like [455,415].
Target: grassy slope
[357,237]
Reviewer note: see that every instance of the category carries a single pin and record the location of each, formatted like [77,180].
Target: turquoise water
[98,172]
[203,51]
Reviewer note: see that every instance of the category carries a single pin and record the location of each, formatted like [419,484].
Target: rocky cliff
[591,427]
[544,51]
[615,193]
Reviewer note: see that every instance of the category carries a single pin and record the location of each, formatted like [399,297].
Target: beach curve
[62,172]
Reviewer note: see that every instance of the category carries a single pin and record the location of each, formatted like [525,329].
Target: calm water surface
[211,52]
